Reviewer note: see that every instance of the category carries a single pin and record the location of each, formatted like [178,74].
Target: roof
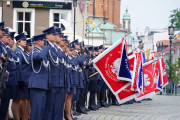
[162,43]
[176,41]
[166,50]
[99,25]
[126,15]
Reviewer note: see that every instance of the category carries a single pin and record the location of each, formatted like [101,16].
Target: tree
[173,71]
[175,18]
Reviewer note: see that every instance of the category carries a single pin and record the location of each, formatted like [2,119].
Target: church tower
[127,21]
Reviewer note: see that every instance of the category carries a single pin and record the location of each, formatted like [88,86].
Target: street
[160,108]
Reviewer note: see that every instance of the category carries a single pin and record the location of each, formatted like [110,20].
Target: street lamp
[171,30]
[74,5]
[171,36]
[170,33]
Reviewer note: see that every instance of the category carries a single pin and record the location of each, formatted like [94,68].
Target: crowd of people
[48,77]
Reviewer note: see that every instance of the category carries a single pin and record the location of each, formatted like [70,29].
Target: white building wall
[80,21]
[161,36]
[148,42]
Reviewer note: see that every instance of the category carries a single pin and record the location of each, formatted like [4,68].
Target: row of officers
[48,78]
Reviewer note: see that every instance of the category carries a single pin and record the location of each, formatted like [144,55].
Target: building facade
[33,17]
[105,8]
[127,21]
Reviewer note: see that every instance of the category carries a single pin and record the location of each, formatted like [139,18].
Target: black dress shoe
[103,104]
[93,108]
[113,103]
[87,110]
[82,110]
[97,108]
[109,103]
[75,113]
[98,105]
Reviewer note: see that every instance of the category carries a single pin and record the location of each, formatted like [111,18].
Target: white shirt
[21,48]
[51,44]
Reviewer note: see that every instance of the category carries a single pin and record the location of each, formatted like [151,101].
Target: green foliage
[173,71]
[175,17]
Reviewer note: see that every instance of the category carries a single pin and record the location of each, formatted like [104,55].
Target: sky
[152,13]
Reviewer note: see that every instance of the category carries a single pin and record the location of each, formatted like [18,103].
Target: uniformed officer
[76,75]
[62,70]
[54,100]
[80,63]
[25,103]
[39,78]
[10,82]
[83,96]
[12,65]
[93,82]
[72,77]
[103,86]
[22,90]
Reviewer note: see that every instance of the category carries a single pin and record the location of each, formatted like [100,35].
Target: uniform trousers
[37,101]
[7,95]
[55,104]
[93,88]
[103,88]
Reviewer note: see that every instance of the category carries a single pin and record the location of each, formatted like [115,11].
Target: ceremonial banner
[140,80]
[143,57]
[163,75]
[148,81]
[126,94]
[113,66]
[107,64]
[157,86]
[137,82]
[110,64]
[124,69]
[132,65]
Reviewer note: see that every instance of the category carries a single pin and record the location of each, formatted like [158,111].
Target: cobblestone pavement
[160,108]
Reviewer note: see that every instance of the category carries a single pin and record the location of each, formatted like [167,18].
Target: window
[56,17]
[124,24]
[23,21]
[129,25]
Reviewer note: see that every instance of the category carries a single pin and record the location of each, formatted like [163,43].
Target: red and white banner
[157,86]
[137,66]
[148,81]
[163,74]
[126,94]
[107,64]
[132,64]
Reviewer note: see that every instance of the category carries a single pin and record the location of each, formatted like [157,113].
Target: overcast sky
[152,13]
